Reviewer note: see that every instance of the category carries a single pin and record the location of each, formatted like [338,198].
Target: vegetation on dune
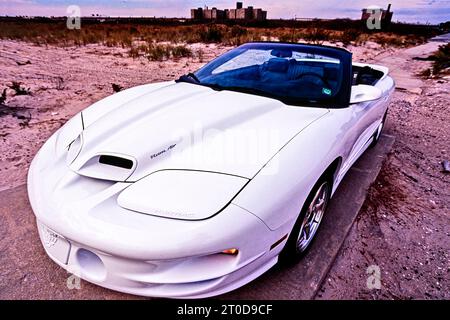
[3,97]
[175,37]
[441,59]
[18,89]
[160,52]
[441,62]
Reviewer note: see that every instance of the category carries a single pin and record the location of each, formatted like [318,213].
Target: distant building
[239,13]
[197,14]
[371,11]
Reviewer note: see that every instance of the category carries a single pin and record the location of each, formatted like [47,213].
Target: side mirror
[365,93]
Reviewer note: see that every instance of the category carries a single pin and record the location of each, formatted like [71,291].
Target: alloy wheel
[313,217]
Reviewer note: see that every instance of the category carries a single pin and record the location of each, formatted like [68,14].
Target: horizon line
[188,18]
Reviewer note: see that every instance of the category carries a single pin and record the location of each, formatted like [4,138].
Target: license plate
[55,245]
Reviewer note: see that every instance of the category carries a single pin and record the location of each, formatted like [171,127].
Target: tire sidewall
[377,135]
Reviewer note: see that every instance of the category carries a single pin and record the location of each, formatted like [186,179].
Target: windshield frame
[340,100]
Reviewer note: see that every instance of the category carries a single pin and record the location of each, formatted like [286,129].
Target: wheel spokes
[313,217]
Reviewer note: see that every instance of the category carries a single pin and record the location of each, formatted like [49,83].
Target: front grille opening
[116,161]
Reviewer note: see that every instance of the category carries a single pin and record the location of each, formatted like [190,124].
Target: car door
[358,123]
[367,116]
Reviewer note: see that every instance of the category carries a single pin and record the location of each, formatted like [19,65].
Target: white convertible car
[192,188]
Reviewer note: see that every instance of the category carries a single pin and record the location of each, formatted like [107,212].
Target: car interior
[291,76]
[366,75]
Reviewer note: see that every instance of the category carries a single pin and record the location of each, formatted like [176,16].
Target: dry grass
[441,63]
[441,59]
[3,97]
[160,52]
[19,90]
[127,35]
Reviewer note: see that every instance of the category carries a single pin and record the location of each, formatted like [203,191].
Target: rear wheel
[377,134]
[308,222]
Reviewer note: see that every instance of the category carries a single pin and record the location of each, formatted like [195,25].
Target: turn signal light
[231,252]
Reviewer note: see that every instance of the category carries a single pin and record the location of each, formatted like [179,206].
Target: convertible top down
[192,188]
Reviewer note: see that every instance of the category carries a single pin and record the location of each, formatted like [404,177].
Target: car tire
[299,241]
[378,132]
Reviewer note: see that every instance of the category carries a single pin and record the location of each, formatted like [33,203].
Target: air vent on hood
[106,166]
[116,161]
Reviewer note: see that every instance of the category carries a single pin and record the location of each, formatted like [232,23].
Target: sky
[423,11]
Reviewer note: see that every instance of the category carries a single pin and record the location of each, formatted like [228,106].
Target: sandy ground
[404,226]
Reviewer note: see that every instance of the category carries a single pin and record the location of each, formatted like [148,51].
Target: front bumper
[84,231]
[178,278]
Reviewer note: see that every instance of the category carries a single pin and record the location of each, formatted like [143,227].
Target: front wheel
[308,222]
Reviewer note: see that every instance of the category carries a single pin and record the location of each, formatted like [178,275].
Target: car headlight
[180,194]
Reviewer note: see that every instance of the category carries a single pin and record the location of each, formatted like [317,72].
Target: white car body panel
[94,222]
[172,122]
[162,185]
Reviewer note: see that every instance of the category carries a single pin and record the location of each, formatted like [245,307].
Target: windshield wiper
[190,78]
[254,91]
[218,87]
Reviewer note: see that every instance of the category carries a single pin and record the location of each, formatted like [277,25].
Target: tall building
[239,13]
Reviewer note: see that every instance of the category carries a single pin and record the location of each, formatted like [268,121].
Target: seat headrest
[281,53]
[279,65]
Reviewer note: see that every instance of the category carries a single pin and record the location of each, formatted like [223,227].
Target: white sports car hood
[183,126]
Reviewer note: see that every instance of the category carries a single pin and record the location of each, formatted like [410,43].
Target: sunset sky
[432,11]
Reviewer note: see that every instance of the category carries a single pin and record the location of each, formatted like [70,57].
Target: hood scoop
[113,167]
[116,161]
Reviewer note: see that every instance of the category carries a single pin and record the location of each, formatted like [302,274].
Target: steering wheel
[324,81]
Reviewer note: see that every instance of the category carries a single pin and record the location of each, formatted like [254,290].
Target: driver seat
[295,69]
[275,70]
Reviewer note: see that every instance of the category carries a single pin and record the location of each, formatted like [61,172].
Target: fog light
[231,252]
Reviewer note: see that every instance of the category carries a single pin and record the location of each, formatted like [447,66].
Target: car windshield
[294,74]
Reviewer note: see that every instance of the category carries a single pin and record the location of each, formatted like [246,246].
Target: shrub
[441,59]
[211,33]
[3,97]
[285,37]
[134,52]
[238,31]
[425,73]
[158,52]
[116,87]
[200,55]
[349,35]
[317,35]
[181,52]
[19,90]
